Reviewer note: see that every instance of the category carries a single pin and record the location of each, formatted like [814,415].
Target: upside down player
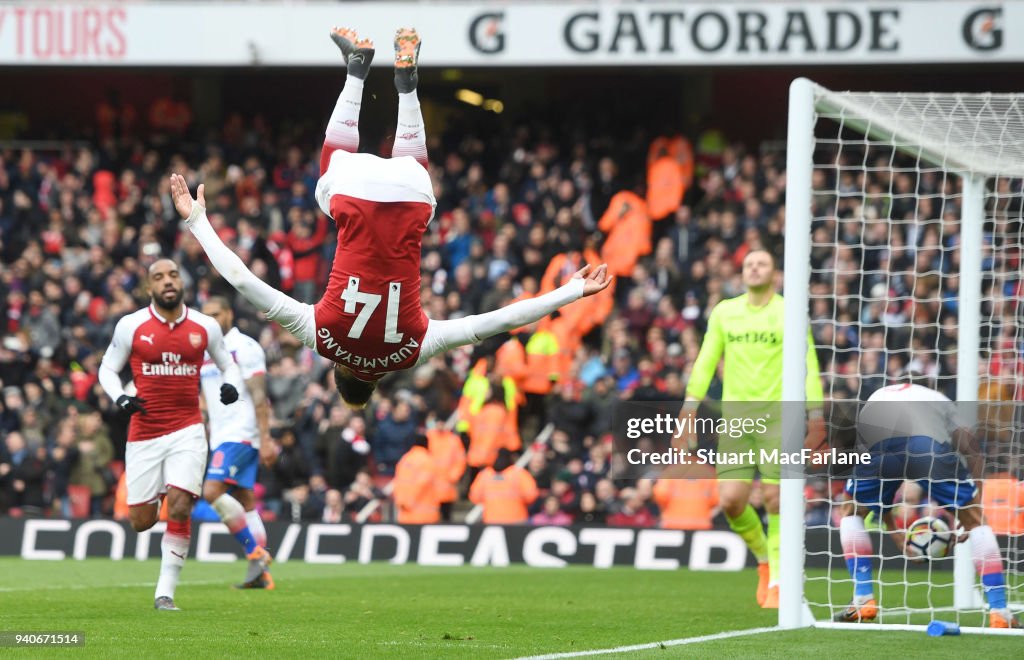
[238,435]
[913,432]
[370,321]
[164,343]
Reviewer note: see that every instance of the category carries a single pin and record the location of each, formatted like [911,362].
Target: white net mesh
[884,297]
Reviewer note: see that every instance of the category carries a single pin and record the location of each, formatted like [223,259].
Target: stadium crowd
[516,215]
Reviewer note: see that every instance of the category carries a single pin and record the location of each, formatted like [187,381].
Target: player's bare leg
[144,516]
[343,127]
[232,513]
[410,135]
[173,547]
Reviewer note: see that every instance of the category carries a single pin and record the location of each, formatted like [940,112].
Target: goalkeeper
[746,332]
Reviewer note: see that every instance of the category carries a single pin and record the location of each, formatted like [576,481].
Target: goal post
[920,176]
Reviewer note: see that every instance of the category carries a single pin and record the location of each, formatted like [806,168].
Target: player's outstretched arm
[446,335]
[293,316]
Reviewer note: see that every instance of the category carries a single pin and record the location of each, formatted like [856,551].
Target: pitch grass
[379,610]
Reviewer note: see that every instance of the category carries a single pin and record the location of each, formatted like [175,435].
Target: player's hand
[228,394]
[817,434]
[183,199]
[593,282]
[687,440]
[131,404]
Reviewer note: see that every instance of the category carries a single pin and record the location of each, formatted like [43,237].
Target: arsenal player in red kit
[370,321]
[164,344]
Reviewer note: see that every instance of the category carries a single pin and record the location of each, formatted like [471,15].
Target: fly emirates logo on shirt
[171,366]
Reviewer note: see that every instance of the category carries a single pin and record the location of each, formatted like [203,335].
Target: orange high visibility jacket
[1003,503]
[491,429]
[450,460]
[686,503]
[669,174]
[504,495]
[543,360]
[415,494]
[510,362]
[121,510]
[628,228]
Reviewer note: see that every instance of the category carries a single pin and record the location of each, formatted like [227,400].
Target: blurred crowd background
[519,210]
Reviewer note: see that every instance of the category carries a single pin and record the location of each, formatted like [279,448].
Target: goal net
[904,254]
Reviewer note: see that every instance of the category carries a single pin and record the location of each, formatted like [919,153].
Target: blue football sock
[860,571]
[995,590]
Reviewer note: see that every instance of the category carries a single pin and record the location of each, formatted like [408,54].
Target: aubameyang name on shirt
[358,361]
[171,366]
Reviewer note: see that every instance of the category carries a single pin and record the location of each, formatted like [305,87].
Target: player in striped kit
[237,435]
[370,321]
[913,432]
[164,344]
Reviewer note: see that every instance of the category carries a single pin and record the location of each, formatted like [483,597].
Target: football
[929,538]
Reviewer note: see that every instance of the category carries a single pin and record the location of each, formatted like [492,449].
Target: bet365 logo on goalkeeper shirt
[763,337]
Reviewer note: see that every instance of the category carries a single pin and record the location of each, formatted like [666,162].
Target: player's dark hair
[224,303]
[354,392]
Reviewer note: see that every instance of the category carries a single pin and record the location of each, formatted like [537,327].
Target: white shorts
[177,459]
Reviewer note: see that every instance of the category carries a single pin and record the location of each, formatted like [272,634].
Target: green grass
[379,610]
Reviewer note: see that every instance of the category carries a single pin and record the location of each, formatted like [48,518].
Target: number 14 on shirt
[353,296]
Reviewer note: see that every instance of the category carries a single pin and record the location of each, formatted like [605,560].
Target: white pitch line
[128,585]
[654,645]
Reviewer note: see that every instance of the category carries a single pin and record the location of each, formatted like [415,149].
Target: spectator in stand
[551,514]
[360,493]
[305,241]
[632,511]
[334,507]
[590,513]
[392,437]
[95,452]
[29,480]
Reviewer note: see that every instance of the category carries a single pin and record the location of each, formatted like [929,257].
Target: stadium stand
[79,224]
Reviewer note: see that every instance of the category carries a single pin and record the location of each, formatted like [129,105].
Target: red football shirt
[370,318]
[165,360]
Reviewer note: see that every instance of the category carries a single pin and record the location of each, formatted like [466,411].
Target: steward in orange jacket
[450,460]
[495,427]
[505,491]
[416,496]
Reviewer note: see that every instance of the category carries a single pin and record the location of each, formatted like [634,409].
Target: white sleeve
[114,359]
[295,317]
[221,355]
[252,361]
[445,335]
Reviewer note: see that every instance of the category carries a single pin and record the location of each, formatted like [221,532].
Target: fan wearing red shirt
[164,345]
[370,321]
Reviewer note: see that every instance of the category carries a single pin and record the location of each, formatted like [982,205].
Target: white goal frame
[806,99]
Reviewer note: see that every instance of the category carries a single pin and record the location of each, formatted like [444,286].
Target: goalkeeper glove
[131,404]
[228,394]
